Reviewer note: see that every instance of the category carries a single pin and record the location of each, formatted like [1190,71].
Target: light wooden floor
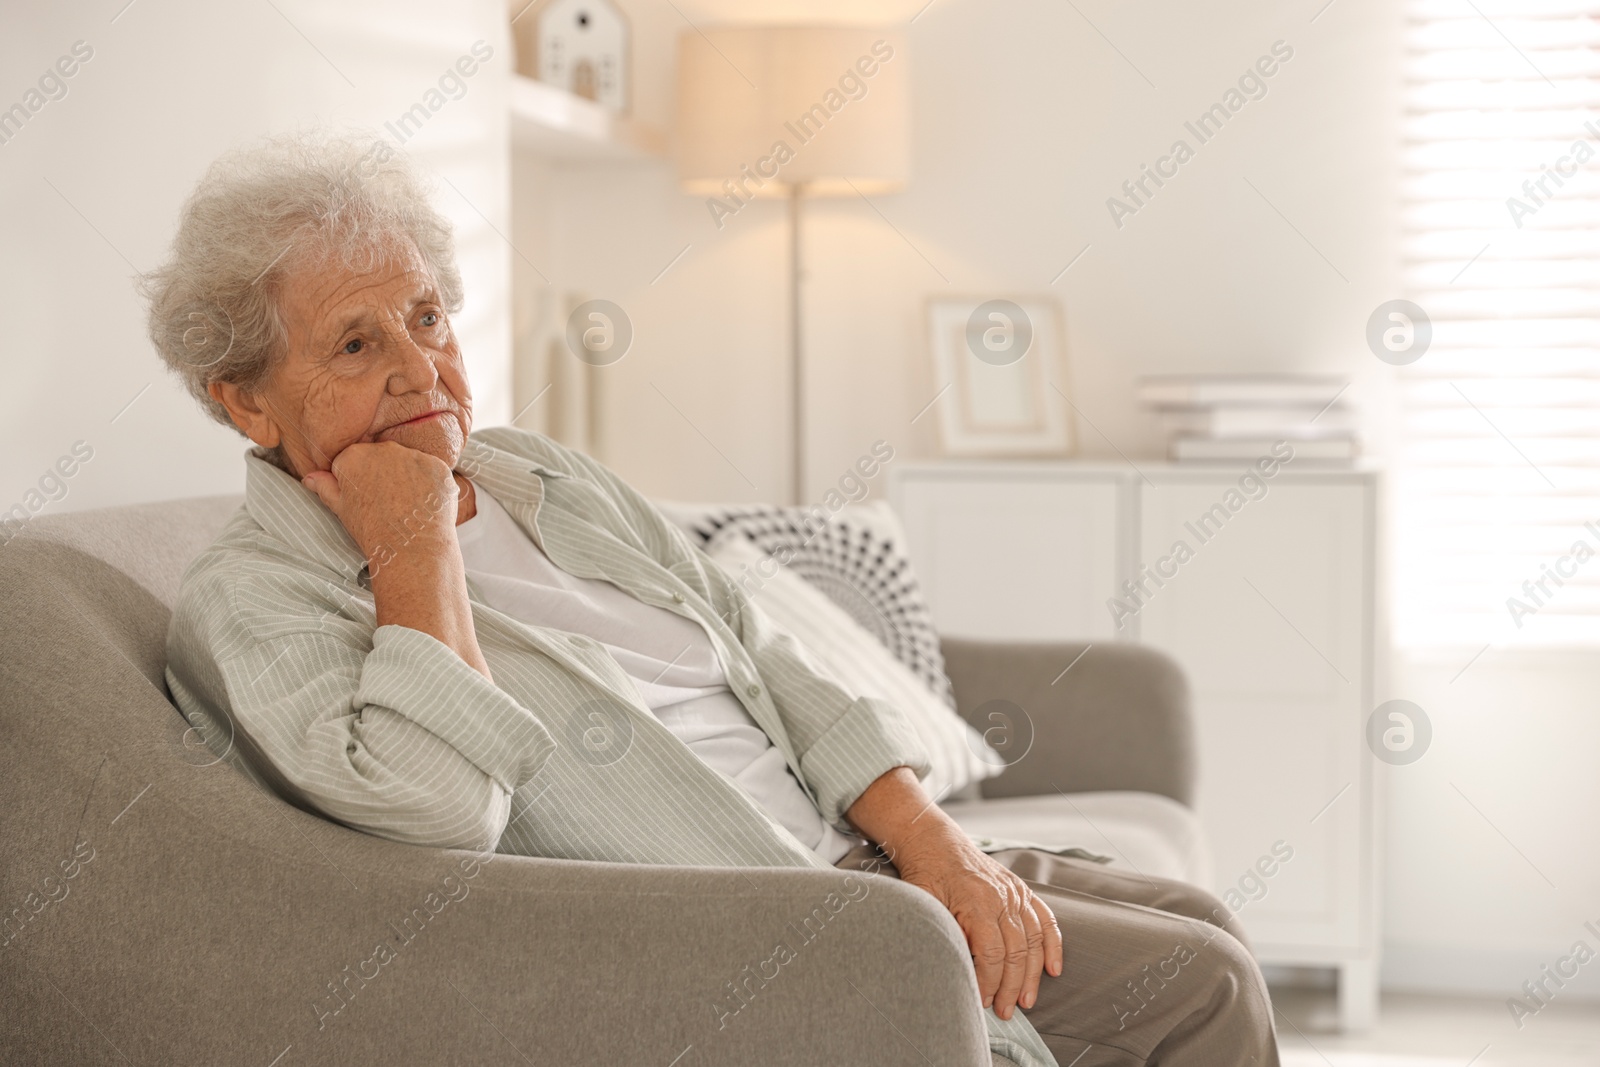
[1436,1031]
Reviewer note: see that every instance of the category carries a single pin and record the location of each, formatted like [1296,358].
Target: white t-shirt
[670,659]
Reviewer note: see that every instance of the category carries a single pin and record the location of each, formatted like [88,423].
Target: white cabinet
[1268,605]
[1015,555]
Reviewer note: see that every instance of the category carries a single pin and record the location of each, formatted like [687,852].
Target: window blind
[1497,479]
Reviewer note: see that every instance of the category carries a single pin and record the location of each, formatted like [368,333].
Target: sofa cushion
[1143,832]
[845,650]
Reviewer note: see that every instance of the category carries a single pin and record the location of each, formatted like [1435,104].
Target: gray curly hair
[257,215]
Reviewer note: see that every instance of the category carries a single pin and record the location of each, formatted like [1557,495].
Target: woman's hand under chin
[393,500]
[400,507]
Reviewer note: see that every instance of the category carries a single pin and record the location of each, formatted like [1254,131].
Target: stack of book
[1222,418]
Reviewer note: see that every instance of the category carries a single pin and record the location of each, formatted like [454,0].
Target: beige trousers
[1154,971]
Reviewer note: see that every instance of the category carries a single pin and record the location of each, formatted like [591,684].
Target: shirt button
[677,598]
[752,690]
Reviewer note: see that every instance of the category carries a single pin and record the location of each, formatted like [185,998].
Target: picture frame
[1003,361]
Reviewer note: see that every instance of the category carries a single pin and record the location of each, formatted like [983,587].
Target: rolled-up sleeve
[871,737]
[386,730]
[844,741]
[418,676]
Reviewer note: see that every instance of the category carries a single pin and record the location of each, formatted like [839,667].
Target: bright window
[1499,457]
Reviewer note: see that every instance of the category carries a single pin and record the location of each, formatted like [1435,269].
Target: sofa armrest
[1119,719]
[189,946]
[749,966]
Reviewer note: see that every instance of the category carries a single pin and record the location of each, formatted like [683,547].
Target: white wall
[1025,121]
[1492,871]
[169,87]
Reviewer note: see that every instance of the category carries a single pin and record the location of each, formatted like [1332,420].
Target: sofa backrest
[146,546]
[150,543]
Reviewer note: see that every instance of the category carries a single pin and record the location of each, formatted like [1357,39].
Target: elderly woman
[488,641]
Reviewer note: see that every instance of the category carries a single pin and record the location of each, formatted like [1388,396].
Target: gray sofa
[156,907]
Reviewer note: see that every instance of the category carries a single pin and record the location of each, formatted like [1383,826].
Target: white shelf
[555,123]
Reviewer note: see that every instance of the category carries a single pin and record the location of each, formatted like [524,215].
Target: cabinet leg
[1358,996]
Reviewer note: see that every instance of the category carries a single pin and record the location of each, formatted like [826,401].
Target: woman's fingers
[988,959]
[1033,931]
[1014,974]
[325,485]
[1053,956]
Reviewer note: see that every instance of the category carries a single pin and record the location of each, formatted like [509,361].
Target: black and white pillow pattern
[856,557]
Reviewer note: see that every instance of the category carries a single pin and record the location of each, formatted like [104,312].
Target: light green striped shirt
[275,656]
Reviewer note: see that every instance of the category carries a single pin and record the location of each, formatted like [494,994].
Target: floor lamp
[794,112]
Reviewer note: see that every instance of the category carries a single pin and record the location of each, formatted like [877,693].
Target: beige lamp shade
[763,108]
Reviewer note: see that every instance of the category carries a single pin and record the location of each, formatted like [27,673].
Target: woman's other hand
[1012,934]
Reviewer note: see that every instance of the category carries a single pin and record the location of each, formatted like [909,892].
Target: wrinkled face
[371,357]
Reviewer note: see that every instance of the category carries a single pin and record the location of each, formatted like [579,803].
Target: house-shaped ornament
[580,46]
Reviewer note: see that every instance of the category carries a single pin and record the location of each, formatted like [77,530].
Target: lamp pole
[797,483]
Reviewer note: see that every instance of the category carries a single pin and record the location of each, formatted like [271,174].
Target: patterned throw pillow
[856,557]
[957,753]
